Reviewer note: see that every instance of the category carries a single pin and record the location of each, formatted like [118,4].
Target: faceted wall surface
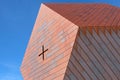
[82,42]
[95,56]
[57,34]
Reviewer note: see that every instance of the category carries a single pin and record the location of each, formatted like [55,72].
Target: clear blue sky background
[17,18]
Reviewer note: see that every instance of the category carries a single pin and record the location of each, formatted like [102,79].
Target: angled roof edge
[69,10]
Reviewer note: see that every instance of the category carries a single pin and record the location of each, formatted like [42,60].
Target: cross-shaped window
[43,51]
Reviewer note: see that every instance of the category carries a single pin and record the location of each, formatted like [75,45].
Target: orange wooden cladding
[83,42]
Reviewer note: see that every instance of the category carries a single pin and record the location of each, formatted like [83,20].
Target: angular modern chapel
[74,41]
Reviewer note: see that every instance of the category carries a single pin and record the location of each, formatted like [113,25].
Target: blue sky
[17,18]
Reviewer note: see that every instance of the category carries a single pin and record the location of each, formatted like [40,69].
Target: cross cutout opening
[43,51]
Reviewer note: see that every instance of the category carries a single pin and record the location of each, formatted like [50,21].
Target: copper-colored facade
[82,42]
